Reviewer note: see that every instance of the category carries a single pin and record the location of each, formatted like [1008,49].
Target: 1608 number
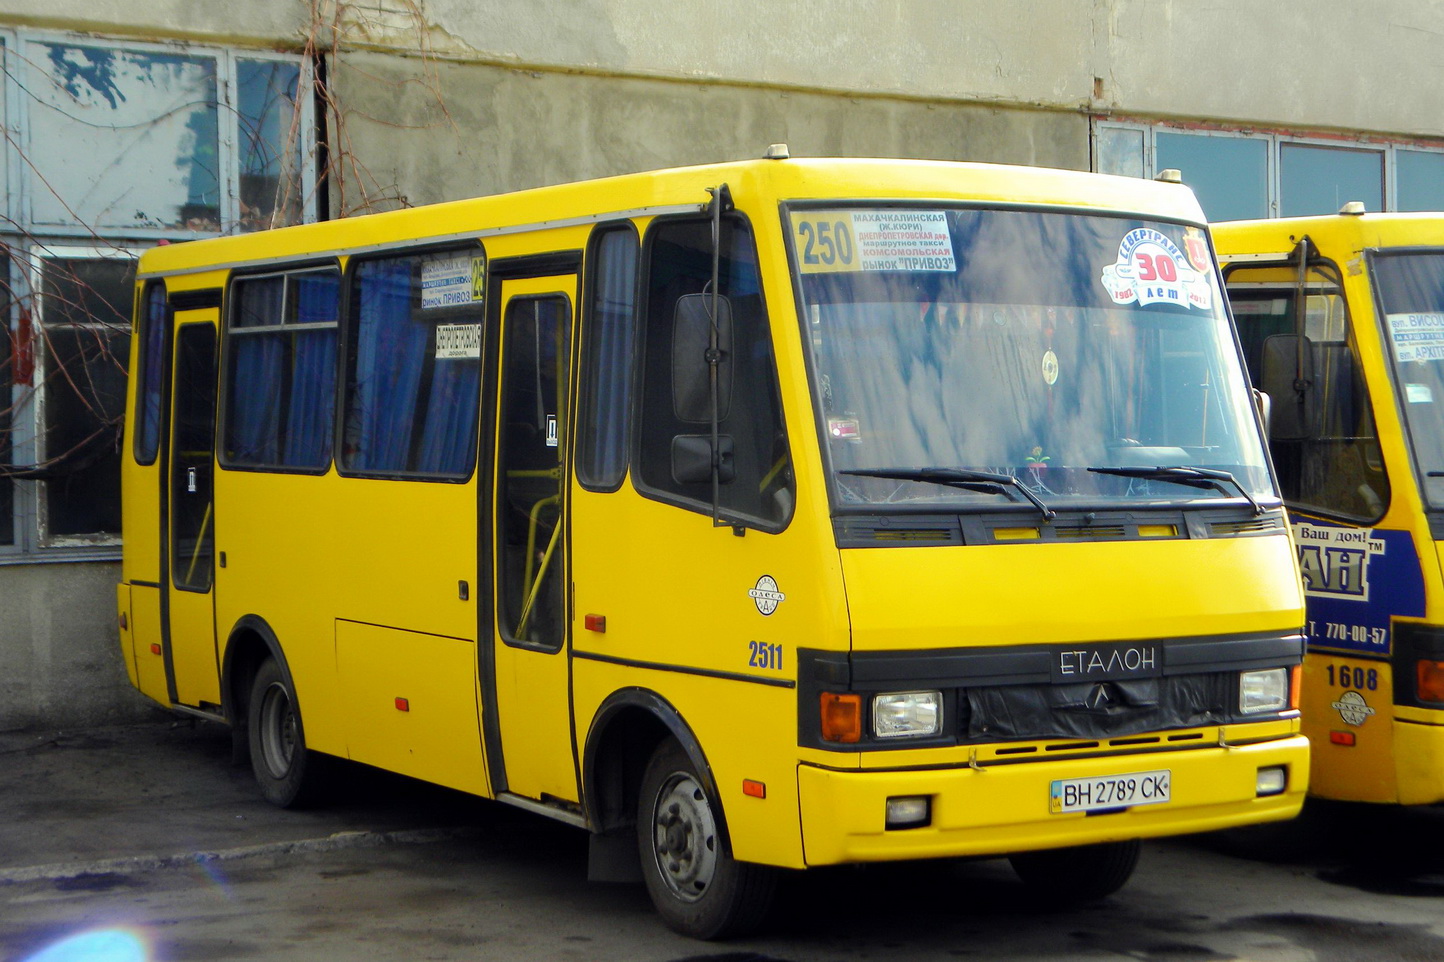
[765,655]
[1349,676]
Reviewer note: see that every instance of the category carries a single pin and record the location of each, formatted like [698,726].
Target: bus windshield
[1411,292]
[962,357]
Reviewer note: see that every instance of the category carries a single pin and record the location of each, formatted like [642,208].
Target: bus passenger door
[190,648]
[529,741]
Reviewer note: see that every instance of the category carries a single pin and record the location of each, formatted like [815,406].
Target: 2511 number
[765,656]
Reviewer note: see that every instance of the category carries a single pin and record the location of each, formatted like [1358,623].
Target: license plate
[1109,792]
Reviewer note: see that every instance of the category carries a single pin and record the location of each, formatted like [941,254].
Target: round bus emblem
[1352,708]
[765,595]
[1050,368]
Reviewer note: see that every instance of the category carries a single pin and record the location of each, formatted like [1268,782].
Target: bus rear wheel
[696,885]
[290,774]
[1065,876]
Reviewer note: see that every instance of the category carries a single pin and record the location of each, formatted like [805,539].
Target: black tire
[1065,876]
[696,885]
[290,774]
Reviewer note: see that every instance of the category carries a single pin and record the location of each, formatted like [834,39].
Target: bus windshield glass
[1411,292]
[969,357]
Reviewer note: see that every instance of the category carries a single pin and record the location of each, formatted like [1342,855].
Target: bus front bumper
[1000,809]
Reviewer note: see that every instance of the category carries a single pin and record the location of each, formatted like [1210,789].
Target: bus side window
[1328,461]
[607,361]
[281,370]
[679,262]
[413,378]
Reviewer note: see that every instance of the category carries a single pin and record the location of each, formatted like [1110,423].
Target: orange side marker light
[754,788]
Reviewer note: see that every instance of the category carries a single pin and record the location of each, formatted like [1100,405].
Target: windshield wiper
[984,481]
[1219,481]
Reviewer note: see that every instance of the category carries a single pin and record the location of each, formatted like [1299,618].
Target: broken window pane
[129,138]
[85,303]
[271,142]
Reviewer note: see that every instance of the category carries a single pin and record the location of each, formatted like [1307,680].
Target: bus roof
[684,188]
[1275,238]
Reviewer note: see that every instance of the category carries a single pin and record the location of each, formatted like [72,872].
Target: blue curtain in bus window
[390,353]
[609,373]
[152,367]
[255,402]
[253,407]
[313,373]
[448,439]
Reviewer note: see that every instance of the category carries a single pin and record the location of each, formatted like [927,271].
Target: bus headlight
[1260,691]
[900,714]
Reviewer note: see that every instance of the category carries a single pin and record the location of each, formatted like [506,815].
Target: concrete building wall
[490,128]
[1329,63]
[60,663]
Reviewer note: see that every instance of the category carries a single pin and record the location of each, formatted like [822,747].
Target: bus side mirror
[1288,380]
[691,341]
[692,459]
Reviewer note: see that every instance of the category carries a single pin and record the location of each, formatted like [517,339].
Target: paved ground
[127,797]
[148,830]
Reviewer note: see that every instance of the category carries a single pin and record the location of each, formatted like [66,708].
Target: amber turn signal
[1430,676]
[841,717]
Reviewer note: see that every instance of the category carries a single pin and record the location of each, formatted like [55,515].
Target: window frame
[287,272]
[23,237]
[30,409]
[588,367]
[25,181]
[347,345]
[1276,140]
[1323,274]
[726,515]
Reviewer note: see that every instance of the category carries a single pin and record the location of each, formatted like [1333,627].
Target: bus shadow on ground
[1382,849]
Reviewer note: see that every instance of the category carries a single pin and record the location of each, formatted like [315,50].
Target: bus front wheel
[696,885]
[290,775]
[1068,875]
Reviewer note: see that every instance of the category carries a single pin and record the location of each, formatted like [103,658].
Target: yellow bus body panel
[411,703]
[1014,594]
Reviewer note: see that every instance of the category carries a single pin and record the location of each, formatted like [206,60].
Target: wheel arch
[250,642]
[624,733]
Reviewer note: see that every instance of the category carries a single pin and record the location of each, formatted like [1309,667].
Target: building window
[1320,180]
[1245,174]
[112,146]
[82,345]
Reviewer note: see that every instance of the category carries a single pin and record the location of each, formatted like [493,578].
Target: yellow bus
[1342,321]
[754,516]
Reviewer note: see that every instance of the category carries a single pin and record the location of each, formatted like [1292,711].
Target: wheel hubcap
[684,837]
[278,730]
